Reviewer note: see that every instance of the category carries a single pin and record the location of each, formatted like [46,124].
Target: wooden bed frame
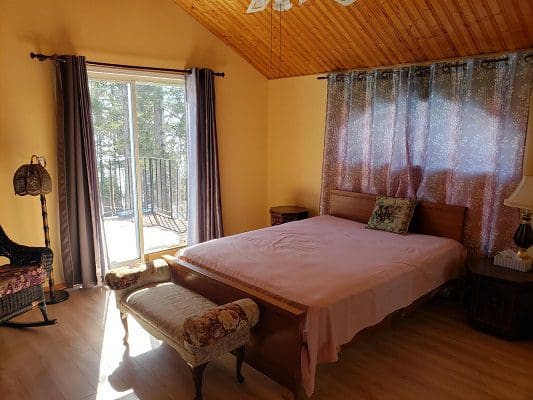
[276,341]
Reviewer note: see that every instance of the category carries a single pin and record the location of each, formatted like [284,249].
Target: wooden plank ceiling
[322,35]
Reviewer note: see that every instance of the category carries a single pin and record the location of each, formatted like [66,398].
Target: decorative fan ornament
[282,5]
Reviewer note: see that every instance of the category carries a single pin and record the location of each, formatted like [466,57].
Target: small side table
[282,214]
[502,300]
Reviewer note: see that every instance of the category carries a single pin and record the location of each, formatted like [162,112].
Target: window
[140,132]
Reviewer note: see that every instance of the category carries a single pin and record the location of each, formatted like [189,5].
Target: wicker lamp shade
[32,179]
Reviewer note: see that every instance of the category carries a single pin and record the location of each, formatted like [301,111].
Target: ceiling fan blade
[282,5]
[257,5]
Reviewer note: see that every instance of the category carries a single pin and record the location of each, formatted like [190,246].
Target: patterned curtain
[447,133]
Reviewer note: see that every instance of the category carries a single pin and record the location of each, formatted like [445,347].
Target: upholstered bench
[198,329]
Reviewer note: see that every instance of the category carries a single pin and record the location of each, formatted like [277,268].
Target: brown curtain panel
[205,212]
[79,209]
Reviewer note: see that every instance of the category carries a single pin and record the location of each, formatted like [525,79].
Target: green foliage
[161,119]
[162,133]
[161,116]
[109,102]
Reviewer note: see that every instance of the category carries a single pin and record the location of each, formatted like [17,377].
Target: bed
[320,281]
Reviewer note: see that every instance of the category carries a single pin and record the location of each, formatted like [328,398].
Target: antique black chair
[21,281]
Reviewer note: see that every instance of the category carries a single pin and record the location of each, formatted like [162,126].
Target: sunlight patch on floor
[110,383]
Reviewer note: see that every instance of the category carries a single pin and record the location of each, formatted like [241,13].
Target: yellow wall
[138,32]
[296,122]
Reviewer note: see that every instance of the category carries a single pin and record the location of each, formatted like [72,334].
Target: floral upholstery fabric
[250,308]
[124,277]
[392,214]
[13,278]
[219,330]
[130,277]
[213,325]
[200,355]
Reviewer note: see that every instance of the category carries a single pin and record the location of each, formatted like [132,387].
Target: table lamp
[522,198]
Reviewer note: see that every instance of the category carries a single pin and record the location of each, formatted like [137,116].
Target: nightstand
[502,300]
[282,214]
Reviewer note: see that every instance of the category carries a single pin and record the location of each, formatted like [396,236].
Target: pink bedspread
[349,277]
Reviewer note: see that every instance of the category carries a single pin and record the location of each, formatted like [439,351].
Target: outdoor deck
[163,196]
[120,236]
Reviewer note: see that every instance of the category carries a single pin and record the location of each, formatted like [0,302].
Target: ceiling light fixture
[283,5]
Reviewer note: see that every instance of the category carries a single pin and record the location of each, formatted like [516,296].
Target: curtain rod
[442,60]
[43,57]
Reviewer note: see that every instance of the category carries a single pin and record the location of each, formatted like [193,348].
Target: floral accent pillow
[392,214]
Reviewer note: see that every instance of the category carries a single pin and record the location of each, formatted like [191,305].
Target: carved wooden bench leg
[197,375]
[240,358]
[124,320]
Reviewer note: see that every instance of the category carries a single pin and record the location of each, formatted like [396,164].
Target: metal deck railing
[163,190]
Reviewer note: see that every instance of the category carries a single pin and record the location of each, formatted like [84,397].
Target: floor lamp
[33,179]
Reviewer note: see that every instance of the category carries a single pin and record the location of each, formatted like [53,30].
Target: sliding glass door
[141,147]
[162,138]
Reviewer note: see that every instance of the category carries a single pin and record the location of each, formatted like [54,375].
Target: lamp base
[56,296]
[522,253]
[523,237]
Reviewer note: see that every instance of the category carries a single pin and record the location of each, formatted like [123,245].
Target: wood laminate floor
[431,354]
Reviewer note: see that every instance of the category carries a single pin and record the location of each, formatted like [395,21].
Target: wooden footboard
[276,341]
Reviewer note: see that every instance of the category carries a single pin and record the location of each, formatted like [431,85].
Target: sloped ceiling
[322,35]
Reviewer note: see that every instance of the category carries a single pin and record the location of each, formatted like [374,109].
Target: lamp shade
[32,179]
[522,197]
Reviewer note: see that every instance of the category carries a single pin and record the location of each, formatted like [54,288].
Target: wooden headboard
[430,218]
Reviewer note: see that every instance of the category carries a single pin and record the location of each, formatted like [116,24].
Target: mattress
[346,276]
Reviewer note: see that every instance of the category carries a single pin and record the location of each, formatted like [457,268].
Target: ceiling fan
[282,5]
